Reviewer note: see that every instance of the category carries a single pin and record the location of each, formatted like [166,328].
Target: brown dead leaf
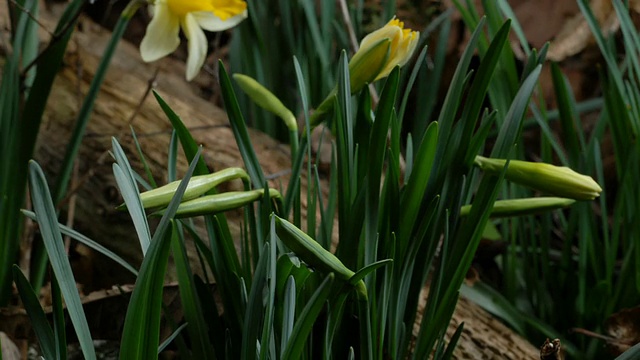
[575,35]
[551,350]
[624,329]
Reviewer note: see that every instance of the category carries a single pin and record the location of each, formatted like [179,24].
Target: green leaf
[289,312]
[270,307]
[413,193]
[375,159]
[141,332]
[451,104]
[307,319]
[143,159]
[171,337]
[129,190]
[59,326]
[567,114]
[240,129]
[479,87]
[254,315]
[89,243]
[38,319]
[140,336]
[13,174]
[448,354]
[189,145]
[493,302]
[360,274]
[510,130]
[47,219]
[198,330]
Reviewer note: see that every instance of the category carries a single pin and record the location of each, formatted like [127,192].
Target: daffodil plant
[169,16]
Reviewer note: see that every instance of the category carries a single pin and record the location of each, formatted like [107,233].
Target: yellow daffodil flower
[380,52]
[162,36]
[402,44]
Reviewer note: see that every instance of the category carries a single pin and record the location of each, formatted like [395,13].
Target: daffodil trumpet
[192,16]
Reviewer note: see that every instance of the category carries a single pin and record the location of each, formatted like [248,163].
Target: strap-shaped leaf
[47,219]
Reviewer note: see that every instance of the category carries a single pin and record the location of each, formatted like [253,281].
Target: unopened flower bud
[557,180]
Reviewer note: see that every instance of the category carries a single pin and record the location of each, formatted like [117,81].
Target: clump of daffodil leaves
[169,16]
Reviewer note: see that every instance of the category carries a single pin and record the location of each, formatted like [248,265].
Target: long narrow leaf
[240,129]
[198,330]
[141,332]
[47,219]
[140,336]
[307,319]
[38,319]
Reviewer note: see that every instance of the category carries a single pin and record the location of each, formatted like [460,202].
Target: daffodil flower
[402,44]
[380,52]
[162,36]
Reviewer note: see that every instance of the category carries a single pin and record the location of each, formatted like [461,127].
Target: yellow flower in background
[402,44]
[162,36]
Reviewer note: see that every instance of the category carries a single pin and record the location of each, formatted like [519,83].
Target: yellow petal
[210,22]
[226,9]
[389,32]
[197,45]
[161,38]
[183,7]
[223,9]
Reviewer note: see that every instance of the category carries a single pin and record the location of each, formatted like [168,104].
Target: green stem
[323,110]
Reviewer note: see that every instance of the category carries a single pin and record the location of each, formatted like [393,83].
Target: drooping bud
[266,100]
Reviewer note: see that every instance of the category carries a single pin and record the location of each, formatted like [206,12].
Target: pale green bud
[517,207]
[556,180]
[310,251]
[197,186]
[212,204]
[266,100]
